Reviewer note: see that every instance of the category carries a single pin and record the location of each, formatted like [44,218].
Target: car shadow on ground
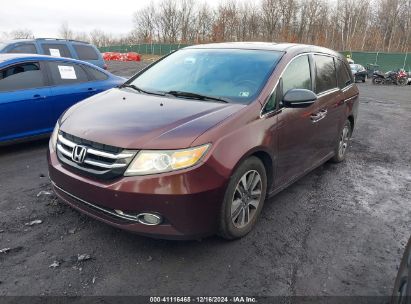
[24,147]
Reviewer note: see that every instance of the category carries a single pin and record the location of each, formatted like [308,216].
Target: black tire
[377,80]
[402,81]
[363,80]
[227,227]
[340,155]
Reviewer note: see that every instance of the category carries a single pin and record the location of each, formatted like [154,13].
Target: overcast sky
[44,17]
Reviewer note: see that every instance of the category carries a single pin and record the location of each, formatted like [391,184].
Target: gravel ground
[126,69]
[340,230]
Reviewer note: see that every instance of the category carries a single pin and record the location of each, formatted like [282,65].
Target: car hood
[124,118]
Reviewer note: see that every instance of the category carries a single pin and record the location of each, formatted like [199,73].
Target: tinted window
[297,75]
[343,78]
[85,52]
[66,73]
[21,76]
[97,75]
[59,50]
[325,73]
[27,48]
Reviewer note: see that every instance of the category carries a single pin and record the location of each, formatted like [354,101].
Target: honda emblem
[79,154]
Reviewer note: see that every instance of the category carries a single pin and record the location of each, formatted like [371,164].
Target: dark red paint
[287,141]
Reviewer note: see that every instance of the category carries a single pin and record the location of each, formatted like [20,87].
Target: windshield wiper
[140,90]
[196,96]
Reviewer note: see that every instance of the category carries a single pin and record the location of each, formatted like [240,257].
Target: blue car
[55,47]
[35,90]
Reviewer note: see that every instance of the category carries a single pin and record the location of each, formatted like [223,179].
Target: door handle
[38,96]
[91,90]
[316,117]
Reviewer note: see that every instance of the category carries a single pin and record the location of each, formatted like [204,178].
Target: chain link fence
[372,60]
[382,61]
[144,48]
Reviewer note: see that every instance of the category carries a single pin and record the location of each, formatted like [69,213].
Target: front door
[296,130]
[24,101]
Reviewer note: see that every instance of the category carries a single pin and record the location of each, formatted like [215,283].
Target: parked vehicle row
[194,144]
[35,90]
[55,47]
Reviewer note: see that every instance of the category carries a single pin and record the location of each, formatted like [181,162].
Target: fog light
[149,219]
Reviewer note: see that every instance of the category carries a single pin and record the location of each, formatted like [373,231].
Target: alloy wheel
[345,137]
[246,198]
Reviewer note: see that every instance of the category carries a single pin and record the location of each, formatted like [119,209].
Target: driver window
[297,75]
[21,76]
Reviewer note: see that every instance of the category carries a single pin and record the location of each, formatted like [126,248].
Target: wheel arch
[267,160]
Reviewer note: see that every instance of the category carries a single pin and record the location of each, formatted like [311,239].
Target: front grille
[101,161]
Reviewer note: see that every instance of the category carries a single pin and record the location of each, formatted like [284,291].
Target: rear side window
[343,78]
[66,73]
[85,52]
[21,76]
[297,75]
[27,48]
[58,50]
[325,78]
[97,75]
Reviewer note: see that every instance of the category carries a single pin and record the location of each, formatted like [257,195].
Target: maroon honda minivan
[194,144]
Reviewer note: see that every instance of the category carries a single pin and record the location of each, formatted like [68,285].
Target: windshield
[235,75]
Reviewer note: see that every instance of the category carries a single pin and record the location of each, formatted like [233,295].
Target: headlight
[152,162]
[53,138]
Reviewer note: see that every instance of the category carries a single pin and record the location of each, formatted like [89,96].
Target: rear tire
[243,200]
[341,147]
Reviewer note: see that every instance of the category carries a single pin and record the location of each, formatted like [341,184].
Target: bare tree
[65,32]
[145,23]
[342,24]
[169,20]
[187,11]
[271,13]
[99,38]
[21,34]
[203,24]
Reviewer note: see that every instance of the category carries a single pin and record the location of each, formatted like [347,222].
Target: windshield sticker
[190,60]
[55,52]
[244,94]
[67,72]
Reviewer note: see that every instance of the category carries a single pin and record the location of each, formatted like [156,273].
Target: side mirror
[299,98]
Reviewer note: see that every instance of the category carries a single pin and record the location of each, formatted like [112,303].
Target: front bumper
[189,200]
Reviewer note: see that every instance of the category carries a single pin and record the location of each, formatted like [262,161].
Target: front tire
[340,150]
[377,80]
[243,200]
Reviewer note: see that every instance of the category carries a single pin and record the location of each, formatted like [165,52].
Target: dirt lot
[340,230]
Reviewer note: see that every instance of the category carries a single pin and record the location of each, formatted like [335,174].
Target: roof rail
[60,39]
